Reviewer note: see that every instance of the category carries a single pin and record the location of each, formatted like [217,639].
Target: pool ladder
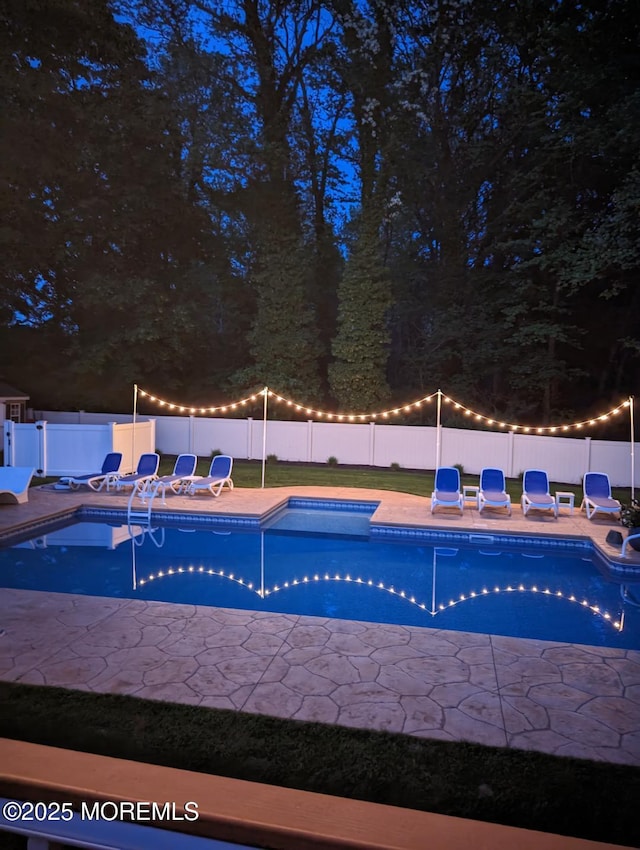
[140,517]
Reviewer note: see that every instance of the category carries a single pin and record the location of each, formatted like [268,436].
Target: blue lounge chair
[146,472]
[493,493]
[14,484]
[97,480]
[183,473]
[597,495]
[447,489]
[219,475]
[535,493]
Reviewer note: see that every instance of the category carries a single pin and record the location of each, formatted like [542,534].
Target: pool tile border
[351,506]
[414,532]
[174,518]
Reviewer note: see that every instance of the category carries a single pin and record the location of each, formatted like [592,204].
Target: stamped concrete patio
[558,698]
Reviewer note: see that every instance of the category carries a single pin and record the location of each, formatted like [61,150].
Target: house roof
[9,392]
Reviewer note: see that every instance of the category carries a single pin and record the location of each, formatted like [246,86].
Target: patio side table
[470,493]
[565,500]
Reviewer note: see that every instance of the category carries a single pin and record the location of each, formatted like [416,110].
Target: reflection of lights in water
[558,594]
[171,571]
[390,589]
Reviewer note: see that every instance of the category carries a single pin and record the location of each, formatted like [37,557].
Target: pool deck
[564,699]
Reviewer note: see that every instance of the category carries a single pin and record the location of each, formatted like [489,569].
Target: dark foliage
[183,189]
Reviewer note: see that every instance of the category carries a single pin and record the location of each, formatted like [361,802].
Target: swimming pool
[557,591]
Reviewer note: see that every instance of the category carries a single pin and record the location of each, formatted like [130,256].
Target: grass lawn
[418,482]
[561,795]
[247,473]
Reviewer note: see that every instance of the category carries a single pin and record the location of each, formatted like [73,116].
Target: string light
[542,429]
[372,416]
[353,417]
[390,589]
[194,410]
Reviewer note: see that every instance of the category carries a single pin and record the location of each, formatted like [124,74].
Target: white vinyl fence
[566,459]
[59,448]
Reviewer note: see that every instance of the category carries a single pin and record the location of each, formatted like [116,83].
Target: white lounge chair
[492,492]
[447,489]
[535,493]
[597,495]
[219,475]
[97,480]
[146,471]
[183,473]
[14,484]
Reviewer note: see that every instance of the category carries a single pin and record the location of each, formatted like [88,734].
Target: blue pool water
[555,593]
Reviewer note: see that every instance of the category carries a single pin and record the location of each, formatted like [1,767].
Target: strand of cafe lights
[409,407]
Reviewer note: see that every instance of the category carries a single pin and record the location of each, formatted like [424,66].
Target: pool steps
[481,538]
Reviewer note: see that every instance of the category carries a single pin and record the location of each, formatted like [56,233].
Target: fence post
[152,430]
[511,436]
[587,454]
[372,443]
[8,442]
[112,435]
[249,436]
[41,428]
[191,427]
[309,440]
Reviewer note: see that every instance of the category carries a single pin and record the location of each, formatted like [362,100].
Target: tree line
[351,201]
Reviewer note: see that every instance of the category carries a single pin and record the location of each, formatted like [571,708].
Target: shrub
[215,453]
[272,458]
[332,461]
[460,468]
[630,514]
[395,466]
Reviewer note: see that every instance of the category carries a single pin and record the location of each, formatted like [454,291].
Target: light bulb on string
[357,416]
[223,408]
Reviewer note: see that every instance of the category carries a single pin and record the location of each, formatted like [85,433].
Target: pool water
[490,588]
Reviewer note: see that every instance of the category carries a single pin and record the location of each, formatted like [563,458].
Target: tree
[191,187]
[364,60]
[104,246]
[266,48]
[573,159]
[357,375]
